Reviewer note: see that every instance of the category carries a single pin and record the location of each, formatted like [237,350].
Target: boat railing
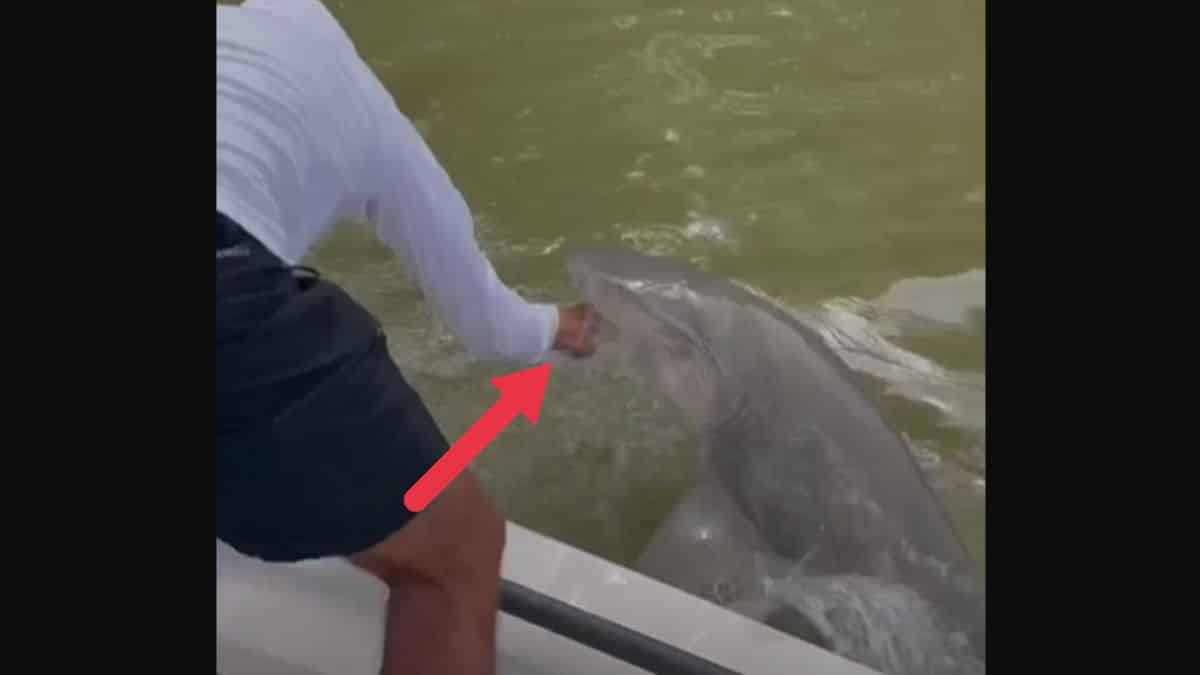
[591,630]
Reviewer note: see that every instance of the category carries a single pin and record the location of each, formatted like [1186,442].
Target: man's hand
[578,326]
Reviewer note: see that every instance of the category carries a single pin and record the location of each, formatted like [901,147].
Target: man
[318,435]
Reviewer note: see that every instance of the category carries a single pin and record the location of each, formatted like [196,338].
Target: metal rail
[603,635]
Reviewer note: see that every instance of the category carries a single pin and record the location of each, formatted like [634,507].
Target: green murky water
[820,150]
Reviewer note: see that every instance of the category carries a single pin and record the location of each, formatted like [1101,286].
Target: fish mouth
[635,295]
[624,287]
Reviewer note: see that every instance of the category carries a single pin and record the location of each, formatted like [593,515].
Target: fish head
[674,331]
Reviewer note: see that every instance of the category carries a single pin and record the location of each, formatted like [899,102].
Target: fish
[808,511]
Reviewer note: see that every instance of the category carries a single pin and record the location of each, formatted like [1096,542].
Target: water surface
[828,153]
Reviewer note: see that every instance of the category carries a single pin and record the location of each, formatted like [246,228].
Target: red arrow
[520,393]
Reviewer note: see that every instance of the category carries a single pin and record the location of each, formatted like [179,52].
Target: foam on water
[959,396]
[884,626]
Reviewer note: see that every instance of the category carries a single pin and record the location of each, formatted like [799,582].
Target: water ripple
[671,56]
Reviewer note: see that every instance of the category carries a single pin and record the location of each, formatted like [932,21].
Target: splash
[885,626]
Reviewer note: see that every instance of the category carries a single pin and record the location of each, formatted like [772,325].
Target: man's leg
[319,437]
[329,480]
[443,569]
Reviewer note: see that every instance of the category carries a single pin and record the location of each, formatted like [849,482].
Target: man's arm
[420,214]
[312,14]
[418,211]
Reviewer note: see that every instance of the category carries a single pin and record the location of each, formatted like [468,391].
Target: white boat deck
[325,617]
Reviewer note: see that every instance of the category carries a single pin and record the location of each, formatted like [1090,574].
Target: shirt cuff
[550,319]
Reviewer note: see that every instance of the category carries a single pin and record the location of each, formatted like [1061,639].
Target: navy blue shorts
[318,434]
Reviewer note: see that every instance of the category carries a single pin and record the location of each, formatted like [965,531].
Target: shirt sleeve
[311,14]
[421,215]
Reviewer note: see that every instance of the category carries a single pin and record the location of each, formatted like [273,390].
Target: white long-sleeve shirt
[308,136]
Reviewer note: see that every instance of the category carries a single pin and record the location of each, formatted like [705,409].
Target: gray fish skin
[801,477]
